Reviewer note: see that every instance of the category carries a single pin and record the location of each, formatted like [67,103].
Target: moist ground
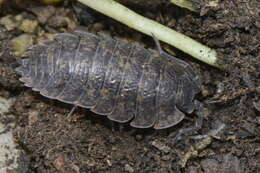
[86,142]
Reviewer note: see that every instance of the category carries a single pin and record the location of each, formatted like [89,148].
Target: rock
[11,158]
[43,13]
[97,27]
[210,165]
[129,168]
[139,137]
[192,153]
[19,18]
[194,169]
[160,146]
[58,22]
[21,43]
[222,163]
[5,105]
[28,26]
[8,22]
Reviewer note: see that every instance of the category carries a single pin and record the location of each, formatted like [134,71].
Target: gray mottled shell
[123,81]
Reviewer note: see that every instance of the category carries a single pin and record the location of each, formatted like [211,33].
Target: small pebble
[33,117]
[21,43]
[28,26]
[43,14]
[139,137]
[96,27]
[160,146]
[109,162]
[129,168]
[171,23]
[58,22]
[206,92]
[222,163]
[8,22]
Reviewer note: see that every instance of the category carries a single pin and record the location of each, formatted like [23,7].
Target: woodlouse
[126,82]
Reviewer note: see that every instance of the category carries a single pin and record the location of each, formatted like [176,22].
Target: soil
[229,140]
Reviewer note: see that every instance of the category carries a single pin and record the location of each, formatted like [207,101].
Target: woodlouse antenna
[158,45]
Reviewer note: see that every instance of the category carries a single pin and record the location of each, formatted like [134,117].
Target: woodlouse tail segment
[121,116]
[170,119]
[186,93]
[185,68]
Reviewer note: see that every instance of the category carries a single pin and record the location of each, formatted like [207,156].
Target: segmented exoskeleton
[124,81]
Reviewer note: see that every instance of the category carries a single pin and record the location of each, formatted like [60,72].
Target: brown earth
[86,142]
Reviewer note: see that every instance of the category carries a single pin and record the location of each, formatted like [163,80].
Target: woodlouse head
[23,67]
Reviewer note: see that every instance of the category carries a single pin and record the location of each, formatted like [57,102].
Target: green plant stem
[185,4]
[149,27]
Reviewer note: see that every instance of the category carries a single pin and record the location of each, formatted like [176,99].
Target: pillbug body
[123,81]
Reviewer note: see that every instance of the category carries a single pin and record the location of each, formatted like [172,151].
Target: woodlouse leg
[199,113]
[72,111]
[198,123]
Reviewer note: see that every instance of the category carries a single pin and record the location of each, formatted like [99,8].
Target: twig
[149,27]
